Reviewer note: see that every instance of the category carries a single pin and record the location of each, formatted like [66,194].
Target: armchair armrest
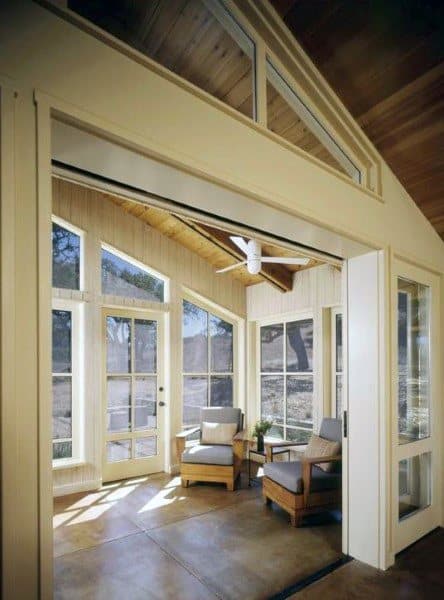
[241,436]
[181,439]
[307,465]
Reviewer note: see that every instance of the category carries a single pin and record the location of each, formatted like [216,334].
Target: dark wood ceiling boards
[185,37]
[385,60]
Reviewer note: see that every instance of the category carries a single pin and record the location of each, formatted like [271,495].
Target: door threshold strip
[316,576]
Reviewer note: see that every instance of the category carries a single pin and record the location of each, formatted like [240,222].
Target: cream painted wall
[103,221]
[65,69]
[314,291]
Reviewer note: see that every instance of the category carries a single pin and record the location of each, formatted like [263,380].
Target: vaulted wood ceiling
[214,245]
[385,60]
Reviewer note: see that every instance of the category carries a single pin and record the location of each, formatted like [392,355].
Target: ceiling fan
[254,259]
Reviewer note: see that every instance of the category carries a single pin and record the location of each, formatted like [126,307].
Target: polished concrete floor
[150,538]
[418,574]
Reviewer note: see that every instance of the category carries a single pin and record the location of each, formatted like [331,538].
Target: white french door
[133,394]
[416,475]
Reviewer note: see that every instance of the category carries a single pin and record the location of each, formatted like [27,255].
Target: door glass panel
[61,450]
[61,407]
[272,348]
[145,403]
[119,403]
[300,346]
[118,450]
[195,397]
[300,401]
[413,361]
[195,339]
[145,447]
[272,398]
[145,346]
[338,395]
[221,334]
[118,347]
[414,484]
[221,390]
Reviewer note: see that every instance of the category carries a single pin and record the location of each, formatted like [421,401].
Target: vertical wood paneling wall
[314,291]
[102,221]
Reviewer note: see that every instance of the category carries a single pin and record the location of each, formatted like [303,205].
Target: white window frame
[73,229]
[334,371]
[236,322]
[140,265]
[76,308]
[278,320]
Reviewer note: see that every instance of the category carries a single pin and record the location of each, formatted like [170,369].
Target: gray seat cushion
[208,455]
[331,429]
[289,476]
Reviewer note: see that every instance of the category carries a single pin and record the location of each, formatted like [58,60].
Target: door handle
[161,389]
[161,403]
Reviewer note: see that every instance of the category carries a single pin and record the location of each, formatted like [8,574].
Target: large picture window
[286,378]
[207,361]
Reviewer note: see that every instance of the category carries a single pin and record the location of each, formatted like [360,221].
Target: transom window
[286,378]
[66,257]
[207,361]
[122,276]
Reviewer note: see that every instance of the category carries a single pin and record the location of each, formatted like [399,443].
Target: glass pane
[145,346]
[118,450]
[339,396]
[146,447]
[283,109]
[195,339]
[61,341]
[300,401]
[298,435]
[61,407]
[61,450]
[272,348]
[338,343]
[221,391]
[205,47]
[122,278]
[272,398]
[413,361]
[145,402]
[118,345]
[221,334]
[300,346]
[65,258]
[414,484]
[195,396]
[276,432]
[119,403]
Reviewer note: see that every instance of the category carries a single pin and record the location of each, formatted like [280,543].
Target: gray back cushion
[331,429]
[222,415]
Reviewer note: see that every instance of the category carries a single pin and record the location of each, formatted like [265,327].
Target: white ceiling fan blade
[240,243]
[285,260]
[239,264]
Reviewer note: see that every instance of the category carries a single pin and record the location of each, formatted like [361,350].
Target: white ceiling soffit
[90,159]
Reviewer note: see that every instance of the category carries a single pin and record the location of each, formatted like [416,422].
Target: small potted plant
[260,430]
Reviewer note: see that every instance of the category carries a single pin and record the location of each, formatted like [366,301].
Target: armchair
[302,486]
[212,462]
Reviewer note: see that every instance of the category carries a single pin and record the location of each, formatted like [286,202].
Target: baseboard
[73,488]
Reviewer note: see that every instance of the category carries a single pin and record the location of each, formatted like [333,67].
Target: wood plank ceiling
[385,60]
[214,245]
[186,37]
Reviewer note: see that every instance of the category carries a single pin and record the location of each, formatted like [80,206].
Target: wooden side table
[270,450]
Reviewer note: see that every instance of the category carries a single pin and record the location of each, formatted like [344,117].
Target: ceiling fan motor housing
[254,255]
